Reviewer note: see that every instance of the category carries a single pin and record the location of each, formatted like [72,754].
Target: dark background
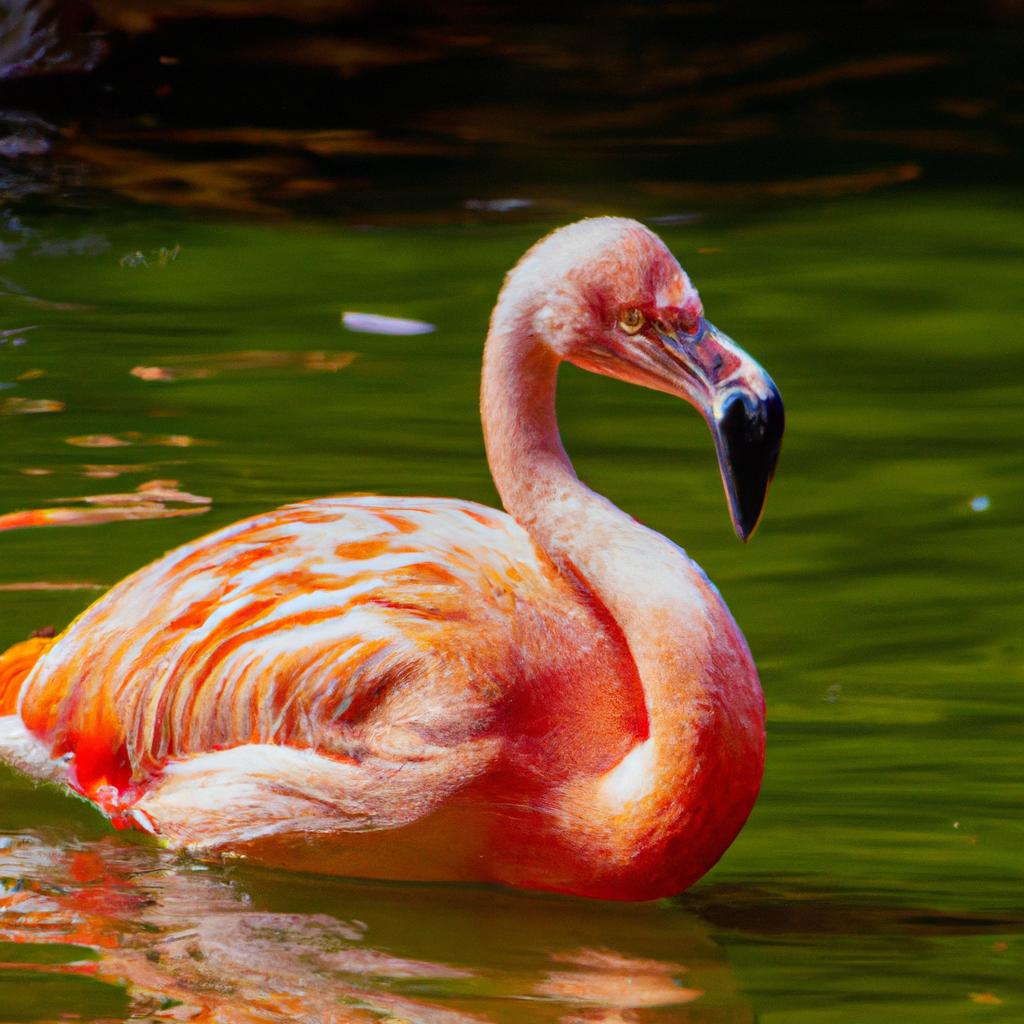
[421,111]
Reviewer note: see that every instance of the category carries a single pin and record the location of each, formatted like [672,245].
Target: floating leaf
[204,367]
[132,437]
[22,406]
[155,499]
[152,490]
[152,373]
[174,440]
[92,516]
[98,441]
[107,472]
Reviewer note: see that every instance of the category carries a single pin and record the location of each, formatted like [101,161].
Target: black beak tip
[748,436]
[745,527]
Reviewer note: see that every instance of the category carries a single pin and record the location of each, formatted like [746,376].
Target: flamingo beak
[747,420]
[742,407]
[737,398]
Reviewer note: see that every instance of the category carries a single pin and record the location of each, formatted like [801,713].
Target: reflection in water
[199,943]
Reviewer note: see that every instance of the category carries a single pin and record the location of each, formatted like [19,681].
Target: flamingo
[554,697]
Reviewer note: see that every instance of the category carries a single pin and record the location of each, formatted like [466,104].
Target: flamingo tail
[15,664]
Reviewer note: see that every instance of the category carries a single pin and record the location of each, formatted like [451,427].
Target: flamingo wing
[337,663]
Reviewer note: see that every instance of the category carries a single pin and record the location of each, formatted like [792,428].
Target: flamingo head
[614,301]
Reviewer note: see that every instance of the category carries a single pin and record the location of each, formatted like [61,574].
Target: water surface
[880,874]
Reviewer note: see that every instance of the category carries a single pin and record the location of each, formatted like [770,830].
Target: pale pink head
[607,295]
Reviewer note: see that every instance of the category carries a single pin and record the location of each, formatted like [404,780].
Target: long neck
[644,580]
[672,620]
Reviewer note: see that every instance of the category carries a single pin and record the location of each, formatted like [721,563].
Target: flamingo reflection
[206,944]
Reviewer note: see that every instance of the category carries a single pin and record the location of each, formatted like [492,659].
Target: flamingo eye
[631,321]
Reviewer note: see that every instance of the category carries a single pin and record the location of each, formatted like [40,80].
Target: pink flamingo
[425,688]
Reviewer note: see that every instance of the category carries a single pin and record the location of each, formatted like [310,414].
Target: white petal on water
[374,323]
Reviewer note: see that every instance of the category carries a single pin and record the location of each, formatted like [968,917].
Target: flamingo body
[418,687]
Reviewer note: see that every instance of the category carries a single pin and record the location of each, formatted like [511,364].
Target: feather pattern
[382,635]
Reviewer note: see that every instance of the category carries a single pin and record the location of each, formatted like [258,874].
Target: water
[880,873]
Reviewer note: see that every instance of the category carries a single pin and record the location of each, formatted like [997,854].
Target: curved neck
[647,584]
[524,450]
[627,565]
[681,638]
[644,580]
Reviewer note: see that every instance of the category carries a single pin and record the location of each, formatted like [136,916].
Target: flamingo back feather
[343,639]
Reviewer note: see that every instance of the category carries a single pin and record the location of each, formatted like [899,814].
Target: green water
[880,876]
